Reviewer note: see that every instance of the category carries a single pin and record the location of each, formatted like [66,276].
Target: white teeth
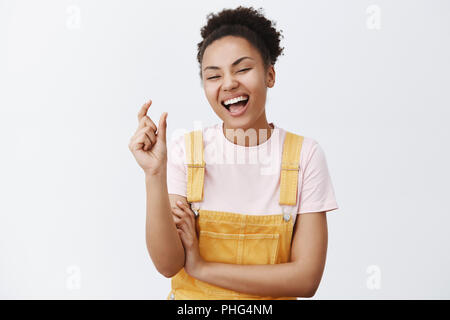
[235,100]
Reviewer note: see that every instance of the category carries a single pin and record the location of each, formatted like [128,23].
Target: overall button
[287,216]
[172,296]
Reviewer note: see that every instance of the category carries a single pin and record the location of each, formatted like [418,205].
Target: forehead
[224,51]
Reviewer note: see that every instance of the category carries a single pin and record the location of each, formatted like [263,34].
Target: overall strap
[195,165]
[290,166]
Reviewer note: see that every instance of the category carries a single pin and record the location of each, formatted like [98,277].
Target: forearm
[163,242]
[276,280]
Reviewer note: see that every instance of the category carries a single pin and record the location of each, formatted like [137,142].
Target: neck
[257,133]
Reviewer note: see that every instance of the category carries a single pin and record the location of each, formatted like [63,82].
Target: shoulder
[311,151]
[309,144]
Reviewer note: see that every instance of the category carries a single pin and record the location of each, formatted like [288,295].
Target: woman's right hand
[148,144]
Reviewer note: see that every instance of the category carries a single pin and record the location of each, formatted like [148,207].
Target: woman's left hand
[185,222]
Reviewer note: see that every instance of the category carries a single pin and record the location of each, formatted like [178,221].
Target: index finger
[143,112]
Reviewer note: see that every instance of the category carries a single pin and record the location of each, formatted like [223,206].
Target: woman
[237,230]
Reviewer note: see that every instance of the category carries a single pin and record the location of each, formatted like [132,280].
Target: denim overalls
[228,237]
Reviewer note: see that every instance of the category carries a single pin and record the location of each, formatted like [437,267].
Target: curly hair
[245,22]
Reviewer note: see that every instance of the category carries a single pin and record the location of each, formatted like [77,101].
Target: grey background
[372,88]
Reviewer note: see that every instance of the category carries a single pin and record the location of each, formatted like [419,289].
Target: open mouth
[238,107]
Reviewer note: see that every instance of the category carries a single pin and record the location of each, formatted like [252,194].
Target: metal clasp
[287,212]
[195,209]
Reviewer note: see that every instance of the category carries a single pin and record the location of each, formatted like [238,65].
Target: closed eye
[238,71]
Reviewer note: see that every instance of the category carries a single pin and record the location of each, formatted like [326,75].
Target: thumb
[162,126]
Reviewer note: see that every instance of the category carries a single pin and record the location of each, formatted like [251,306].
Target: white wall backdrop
[369,80]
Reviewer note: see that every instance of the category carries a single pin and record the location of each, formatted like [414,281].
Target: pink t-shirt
[246,180]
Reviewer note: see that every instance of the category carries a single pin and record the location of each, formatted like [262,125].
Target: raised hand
[148,144]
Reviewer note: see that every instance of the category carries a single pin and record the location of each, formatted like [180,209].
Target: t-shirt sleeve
[176,168]
[317,192]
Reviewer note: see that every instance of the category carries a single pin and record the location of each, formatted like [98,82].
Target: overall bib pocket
[239,248]
[236,249]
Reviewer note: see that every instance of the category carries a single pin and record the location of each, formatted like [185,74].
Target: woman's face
[227,74]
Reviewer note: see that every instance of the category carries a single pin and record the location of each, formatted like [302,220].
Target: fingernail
[179,202]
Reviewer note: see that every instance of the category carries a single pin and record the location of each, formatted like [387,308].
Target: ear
[270,77]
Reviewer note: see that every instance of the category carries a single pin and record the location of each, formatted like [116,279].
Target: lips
[240,112]
[228,106]
[233,96]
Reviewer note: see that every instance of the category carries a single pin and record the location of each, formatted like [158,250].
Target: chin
[242,123]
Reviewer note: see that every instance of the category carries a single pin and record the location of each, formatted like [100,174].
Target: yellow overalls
[237,238]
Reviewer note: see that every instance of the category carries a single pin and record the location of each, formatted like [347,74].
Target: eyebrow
[233,64]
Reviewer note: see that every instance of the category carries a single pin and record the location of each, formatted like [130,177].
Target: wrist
[161,172]
[200,270]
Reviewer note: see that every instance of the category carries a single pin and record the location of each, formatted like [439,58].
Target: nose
[229,82]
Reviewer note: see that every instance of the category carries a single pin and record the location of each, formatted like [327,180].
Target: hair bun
[248,23]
